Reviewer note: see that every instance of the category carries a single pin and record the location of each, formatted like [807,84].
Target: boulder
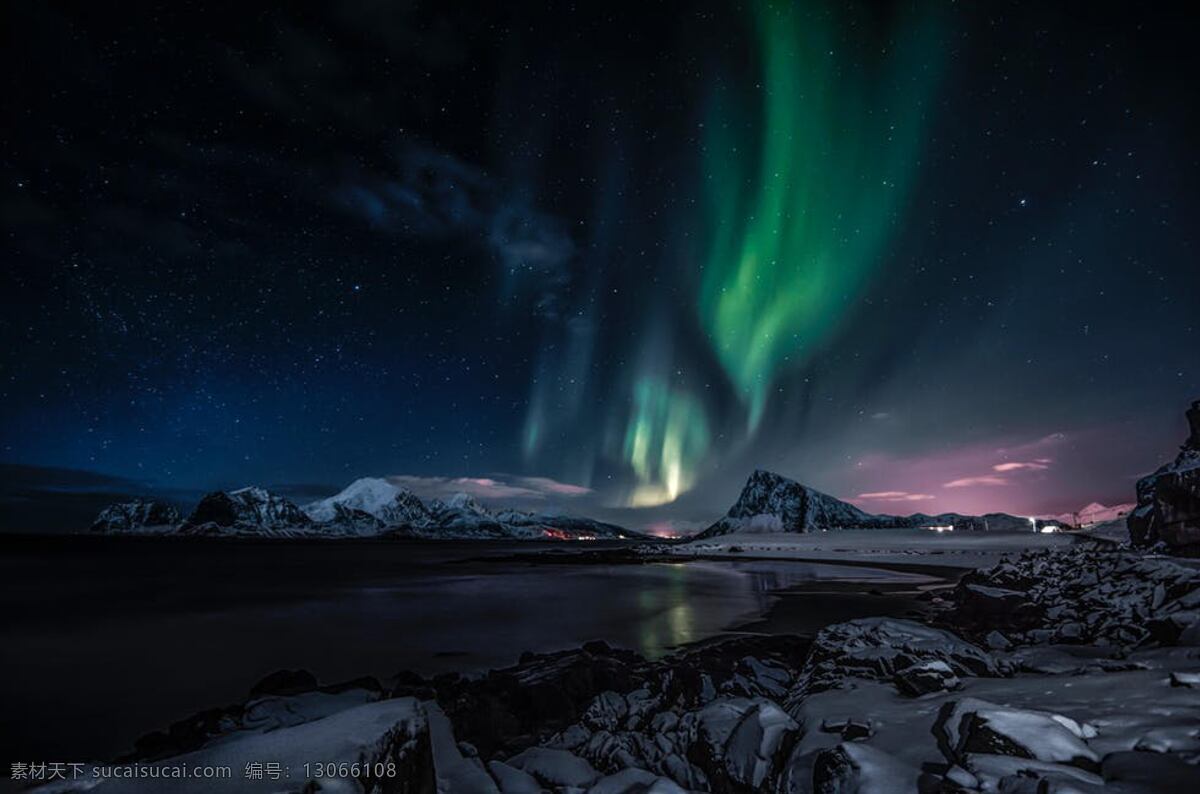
[879,648]
[861,769]
[971,726]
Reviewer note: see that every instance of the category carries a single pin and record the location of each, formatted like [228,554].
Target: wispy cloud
[894,496]
[968,482]
[496,487]
[1033,465]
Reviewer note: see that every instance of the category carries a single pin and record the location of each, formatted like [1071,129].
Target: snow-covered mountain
[772,503]
[141,516]
[368,507]
[375,496]
[247,511]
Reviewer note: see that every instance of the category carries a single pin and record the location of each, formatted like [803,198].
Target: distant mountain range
[368,507]
[773,503]
[376,507]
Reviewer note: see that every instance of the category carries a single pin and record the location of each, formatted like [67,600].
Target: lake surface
[104,639]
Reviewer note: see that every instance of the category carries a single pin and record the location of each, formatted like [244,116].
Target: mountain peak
[377,497]
[770,502]
[467,502]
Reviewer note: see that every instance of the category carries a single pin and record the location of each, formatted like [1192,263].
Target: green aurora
[800,217]
[805,184]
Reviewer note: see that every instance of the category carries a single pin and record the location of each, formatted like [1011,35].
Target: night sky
[599,258]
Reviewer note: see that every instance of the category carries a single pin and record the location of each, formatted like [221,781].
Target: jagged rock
[1081,596]
[925,677]
[147,516]
[861,769]
[970,727]
[997,641]
[348,521]
[1168,501]
[878,648]
[737,742]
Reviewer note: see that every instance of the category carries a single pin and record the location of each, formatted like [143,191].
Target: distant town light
[940,528]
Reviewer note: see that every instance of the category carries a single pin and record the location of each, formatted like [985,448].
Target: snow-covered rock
[861,769]
[352,523]
[554,767]
[880,649]
[923,678]
[1168,501]
[977,727]
[1081,596]
[140,516]
[390,738]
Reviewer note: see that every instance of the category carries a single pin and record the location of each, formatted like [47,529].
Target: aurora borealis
[600,259]
[802,212]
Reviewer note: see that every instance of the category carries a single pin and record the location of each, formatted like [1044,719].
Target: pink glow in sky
[1012,476]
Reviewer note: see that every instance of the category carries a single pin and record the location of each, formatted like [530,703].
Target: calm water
[104,639]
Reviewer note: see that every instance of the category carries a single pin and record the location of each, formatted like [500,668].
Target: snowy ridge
[142,516]
[368,507]
[375,496]
[772,503]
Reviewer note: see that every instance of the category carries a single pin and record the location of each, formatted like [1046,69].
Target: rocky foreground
[1056,671]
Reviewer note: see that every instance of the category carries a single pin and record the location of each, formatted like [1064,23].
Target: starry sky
[596,258]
